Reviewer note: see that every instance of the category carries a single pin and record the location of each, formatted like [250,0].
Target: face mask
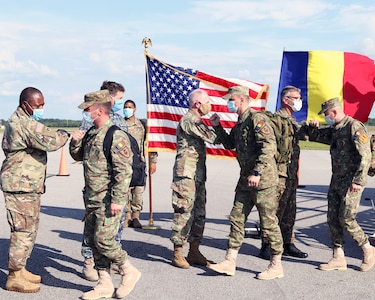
[118,105]
[38,114]
[128,112]
[87,117]
[232,107]
[204,109]
[297,105]
[329,120]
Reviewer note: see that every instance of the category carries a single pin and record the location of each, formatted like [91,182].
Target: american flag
[168,88]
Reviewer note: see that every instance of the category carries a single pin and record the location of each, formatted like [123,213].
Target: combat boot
[195,257]
[104,288]
[135,222]
[130,276]
[274,269]
[88,271]
[128,219]
[30,276]
[368,257]
[227,266]
[337,262]
[179,260]
[17,283]
[264,251]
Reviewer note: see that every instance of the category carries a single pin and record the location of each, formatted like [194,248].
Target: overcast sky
[67,48]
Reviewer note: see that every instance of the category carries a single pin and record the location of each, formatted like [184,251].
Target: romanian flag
[168,89]
[322,75]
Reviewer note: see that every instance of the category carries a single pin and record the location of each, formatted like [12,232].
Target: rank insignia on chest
[120,145]
[361,136]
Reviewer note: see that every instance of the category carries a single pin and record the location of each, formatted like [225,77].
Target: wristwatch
[256,173]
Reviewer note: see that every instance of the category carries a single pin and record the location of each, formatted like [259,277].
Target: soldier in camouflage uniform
[189,177]
[288,172]
[350,158]
[107,186]
[137,129]
[116,91]
[254,140]
[23,173]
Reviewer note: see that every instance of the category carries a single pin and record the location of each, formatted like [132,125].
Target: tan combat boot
[130,276]
[337,262]
[30,276]
[274,269]
[368,257]
[135,222]
[227,266]
[104,288]
[195,257]
[88,271]
[17,283]
[128,219]
[179,260]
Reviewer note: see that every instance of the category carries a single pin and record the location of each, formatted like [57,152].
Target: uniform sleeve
[362,145]
[200,130]
[224,138]
[321,135]
[122,158]
[44,138]
[266,143]
[76,150]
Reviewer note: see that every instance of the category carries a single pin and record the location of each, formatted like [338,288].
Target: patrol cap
[331,103]
[238,89]
[101,96]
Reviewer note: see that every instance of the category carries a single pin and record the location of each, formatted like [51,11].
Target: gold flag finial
[146,42]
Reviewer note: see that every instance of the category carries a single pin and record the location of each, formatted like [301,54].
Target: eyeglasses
[293,98]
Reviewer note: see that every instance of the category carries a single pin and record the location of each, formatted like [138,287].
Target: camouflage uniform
[189,177]
[350,157]
[255,144]
[137,130]
[288,180]
[23,173]
[118,121]
[104,185]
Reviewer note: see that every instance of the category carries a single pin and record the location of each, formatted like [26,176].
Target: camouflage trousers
[286,212]
[23,211]
[342,211]
[266,203]
[100,231]
[86,251]
[135,200]
[189,205]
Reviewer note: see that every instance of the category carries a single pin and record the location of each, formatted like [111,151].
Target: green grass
[306,145]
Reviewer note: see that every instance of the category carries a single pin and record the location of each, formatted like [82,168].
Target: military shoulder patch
[259,125]
[361,135]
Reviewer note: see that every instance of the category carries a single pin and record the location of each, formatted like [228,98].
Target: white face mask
[297,105]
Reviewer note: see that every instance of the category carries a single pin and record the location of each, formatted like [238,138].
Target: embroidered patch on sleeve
[361,135]
[120,145]
[259,126]
[39,128]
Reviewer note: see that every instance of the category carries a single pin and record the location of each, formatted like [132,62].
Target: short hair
[196,95]
[28,93]
[112,87]
[107,106]
[287,89]
[130,101]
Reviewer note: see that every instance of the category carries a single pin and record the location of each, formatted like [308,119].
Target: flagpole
[146,43]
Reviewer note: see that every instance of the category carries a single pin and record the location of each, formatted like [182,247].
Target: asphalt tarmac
[56,255]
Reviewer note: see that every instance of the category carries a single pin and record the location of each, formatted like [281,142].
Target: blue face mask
[38,114]
[128,112]
[232,107]
[329,121]
[118,105]
[87,117]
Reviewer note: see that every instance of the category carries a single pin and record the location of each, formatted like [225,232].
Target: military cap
[238,89]
[329,104]
[101,96]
